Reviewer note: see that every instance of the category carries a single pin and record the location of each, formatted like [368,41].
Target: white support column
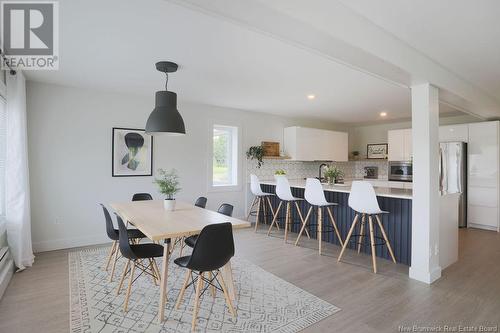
[425,211]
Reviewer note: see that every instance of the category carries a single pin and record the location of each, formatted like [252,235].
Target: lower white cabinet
[483,182]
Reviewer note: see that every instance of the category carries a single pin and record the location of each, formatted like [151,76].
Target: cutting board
[271,148]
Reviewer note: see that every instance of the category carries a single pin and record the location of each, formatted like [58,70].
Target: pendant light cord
[166,83]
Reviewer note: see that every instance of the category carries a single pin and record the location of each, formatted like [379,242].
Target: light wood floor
[37,300]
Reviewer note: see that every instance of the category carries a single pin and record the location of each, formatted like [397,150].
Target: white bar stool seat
[363,200]
[284,193]
[260,199]
[315,196]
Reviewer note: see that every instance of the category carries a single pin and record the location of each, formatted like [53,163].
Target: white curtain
[17,196]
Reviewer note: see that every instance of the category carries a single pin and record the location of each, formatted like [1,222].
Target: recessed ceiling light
[311,96]
[383,114]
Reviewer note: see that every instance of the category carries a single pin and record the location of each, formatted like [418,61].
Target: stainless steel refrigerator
[453,175]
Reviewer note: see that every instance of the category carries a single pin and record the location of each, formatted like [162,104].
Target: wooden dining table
[158,224]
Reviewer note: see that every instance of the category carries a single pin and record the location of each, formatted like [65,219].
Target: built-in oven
[401,171]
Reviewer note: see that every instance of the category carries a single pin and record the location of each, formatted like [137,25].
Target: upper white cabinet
[483,182]
[451,133]
[400,145]
[311,144]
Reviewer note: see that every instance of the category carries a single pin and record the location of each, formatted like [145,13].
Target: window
[3,123]
[224,156]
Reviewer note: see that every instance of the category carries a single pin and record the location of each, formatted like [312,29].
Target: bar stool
[315,196]
[363,200]
[260,199]
[284,193]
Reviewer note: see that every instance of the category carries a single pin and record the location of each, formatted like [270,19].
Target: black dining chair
[201,202]
[141,197]
[212,251]
[113,234]
[225,209]
[136,255]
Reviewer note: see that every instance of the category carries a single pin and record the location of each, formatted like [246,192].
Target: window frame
[238,158]
[3,207]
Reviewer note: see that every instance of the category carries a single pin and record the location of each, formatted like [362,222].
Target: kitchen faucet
[320,176]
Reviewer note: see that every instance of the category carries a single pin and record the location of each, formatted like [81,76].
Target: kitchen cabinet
[311,144]
[483,182]
[400,145]
[450,133]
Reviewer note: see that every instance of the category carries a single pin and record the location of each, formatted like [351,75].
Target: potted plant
[257,153]
[333,173]
[280,172]
[168,183]
[355,154]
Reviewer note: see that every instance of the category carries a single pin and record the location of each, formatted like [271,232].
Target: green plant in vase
[168,183]
[333,173]
[256,153]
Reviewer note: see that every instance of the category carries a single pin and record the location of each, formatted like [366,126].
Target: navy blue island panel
[397,223]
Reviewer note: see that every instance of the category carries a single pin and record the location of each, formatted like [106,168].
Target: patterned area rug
[265,303]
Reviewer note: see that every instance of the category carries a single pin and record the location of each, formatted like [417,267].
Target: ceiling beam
[388,59]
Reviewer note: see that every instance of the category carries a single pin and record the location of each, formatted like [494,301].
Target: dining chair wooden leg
[389,247]
[212,287]
[372,243]
[153,271]
[287,220]
[199,285]
[275,217]
[250,209]
[303,225]
[257,218]
[157,270]
[361,232]
[346,242]
[110,255]
[183,289]
[334,223]
[302,218]
[226,296]
[227,272]
[114,264]
[320,229]
[272,210]
[125,271]
[131,280]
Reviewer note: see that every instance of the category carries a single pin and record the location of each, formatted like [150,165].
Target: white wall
[360,136]
[69,133]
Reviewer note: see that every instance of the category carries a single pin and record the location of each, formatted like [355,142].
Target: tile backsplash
[301,169]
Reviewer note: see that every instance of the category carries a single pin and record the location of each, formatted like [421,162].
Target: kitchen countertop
[388,192]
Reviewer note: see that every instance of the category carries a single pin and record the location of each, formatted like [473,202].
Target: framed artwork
[132,152]
[376,151]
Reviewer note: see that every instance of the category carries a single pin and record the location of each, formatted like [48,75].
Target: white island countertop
[388,192]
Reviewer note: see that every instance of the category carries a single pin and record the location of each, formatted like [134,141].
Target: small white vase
[169,204]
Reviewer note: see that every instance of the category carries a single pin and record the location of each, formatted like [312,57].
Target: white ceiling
[113,45]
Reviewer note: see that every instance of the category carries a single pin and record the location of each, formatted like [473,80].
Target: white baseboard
[67,243]
[482,226]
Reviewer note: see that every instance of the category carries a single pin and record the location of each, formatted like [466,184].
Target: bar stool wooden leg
[301,218]
[372,243]
[274,218]
[303,225]
[348,236]
[389,247]
[259,200]
[361,232]
[334,223]
[287,219]
[251,206]
[320,228]
[272,210]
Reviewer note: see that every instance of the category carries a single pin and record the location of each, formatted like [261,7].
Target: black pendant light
[165,117]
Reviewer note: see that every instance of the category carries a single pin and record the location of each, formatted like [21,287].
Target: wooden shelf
[369,160]
[276,157]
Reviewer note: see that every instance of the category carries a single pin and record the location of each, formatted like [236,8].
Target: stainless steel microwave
[401,171]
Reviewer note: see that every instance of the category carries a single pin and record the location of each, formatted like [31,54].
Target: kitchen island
[398,202]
